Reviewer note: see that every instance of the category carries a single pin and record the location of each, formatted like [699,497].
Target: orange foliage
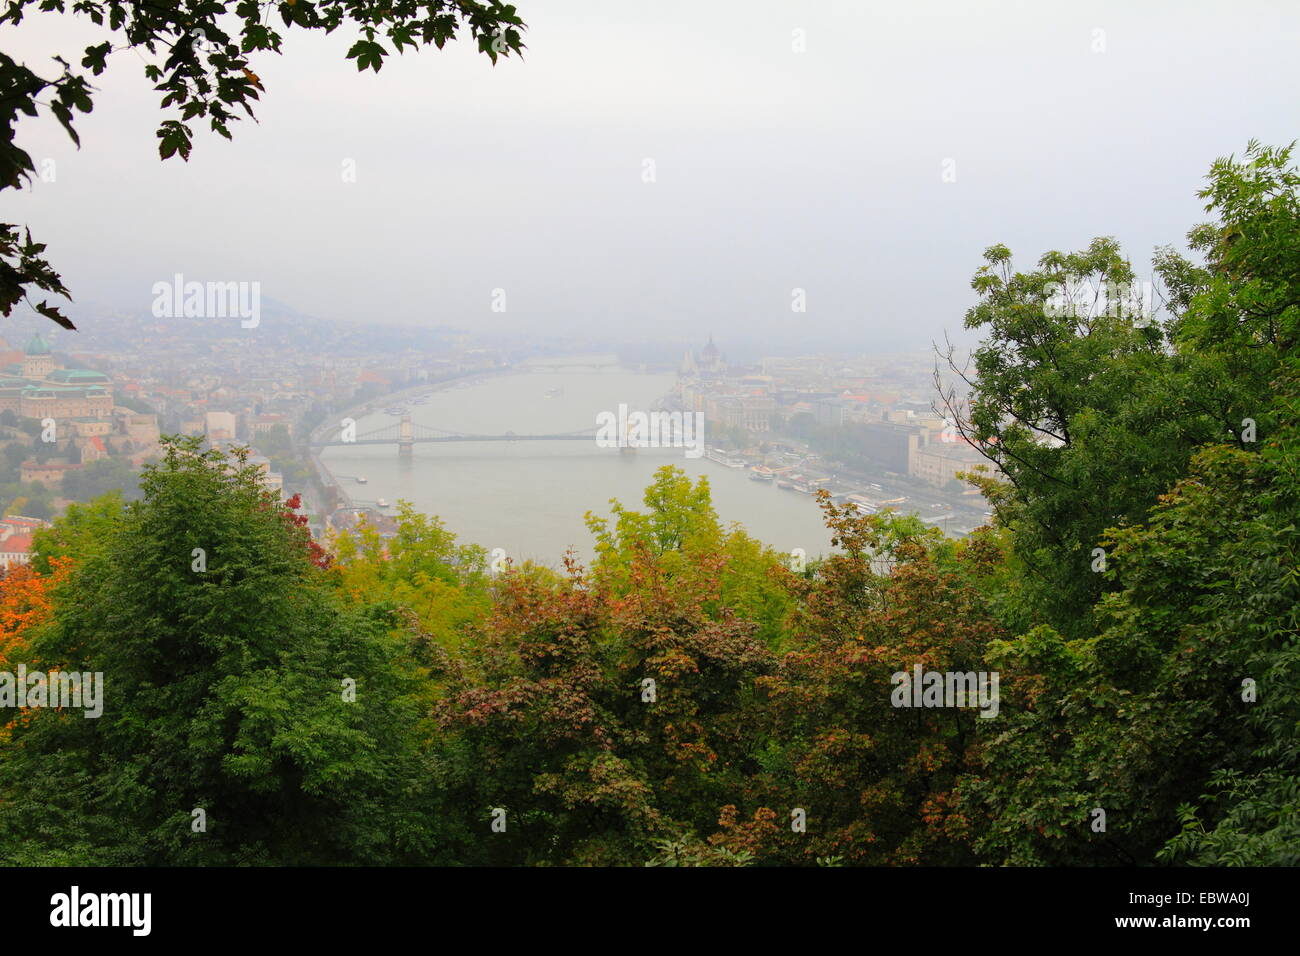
[25,602]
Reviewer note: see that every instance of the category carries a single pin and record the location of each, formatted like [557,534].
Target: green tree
[1143,713]
[680,529]
[223,690]
[421,569]
[82,530]
[1091,405]
[100,477]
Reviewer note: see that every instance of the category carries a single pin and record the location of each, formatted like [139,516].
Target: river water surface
[529,498]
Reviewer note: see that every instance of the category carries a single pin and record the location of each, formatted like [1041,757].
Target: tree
[875,781]
[1177,704]
[100,477]
[197,57]
[606,715]
[1091,405]
[599,724]
[234,684]
[422,569]
[681,530]
[14,454]
[83,529]
[25,604]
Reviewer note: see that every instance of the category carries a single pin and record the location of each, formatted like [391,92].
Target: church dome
[37,346]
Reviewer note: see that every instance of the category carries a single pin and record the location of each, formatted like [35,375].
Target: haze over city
[774,169]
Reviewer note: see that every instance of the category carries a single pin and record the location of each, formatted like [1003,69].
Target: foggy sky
[775,169]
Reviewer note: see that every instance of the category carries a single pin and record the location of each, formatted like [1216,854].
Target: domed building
[709,362]
[39,360]
[39,387]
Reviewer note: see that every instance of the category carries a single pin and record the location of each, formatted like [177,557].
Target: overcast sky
[775,169]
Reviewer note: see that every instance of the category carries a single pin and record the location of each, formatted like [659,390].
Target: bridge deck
[421,439]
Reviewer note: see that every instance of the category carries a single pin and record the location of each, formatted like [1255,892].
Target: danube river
[529,498]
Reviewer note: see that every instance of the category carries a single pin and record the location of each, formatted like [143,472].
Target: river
[529,498]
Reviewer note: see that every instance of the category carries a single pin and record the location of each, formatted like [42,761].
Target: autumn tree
[680,530]
[606,715]
[873,780]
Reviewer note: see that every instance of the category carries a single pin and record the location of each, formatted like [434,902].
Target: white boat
[361,479]
[863,504]
[382,503]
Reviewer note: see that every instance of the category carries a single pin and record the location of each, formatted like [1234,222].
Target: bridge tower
[628,448]
[405,438]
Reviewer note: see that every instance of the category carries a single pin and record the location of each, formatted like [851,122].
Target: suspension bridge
[406,435]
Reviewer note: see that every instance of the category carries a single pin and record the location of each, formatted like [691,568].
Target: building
[92,449]
[264,423]
[889,446]
[751,412]
[90,427]
[48,473]
[938,462]
[38,387]
[709,363]
[16,539]
[829,412]
[219,426]
[271,480]
[140,430]
[15,548]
